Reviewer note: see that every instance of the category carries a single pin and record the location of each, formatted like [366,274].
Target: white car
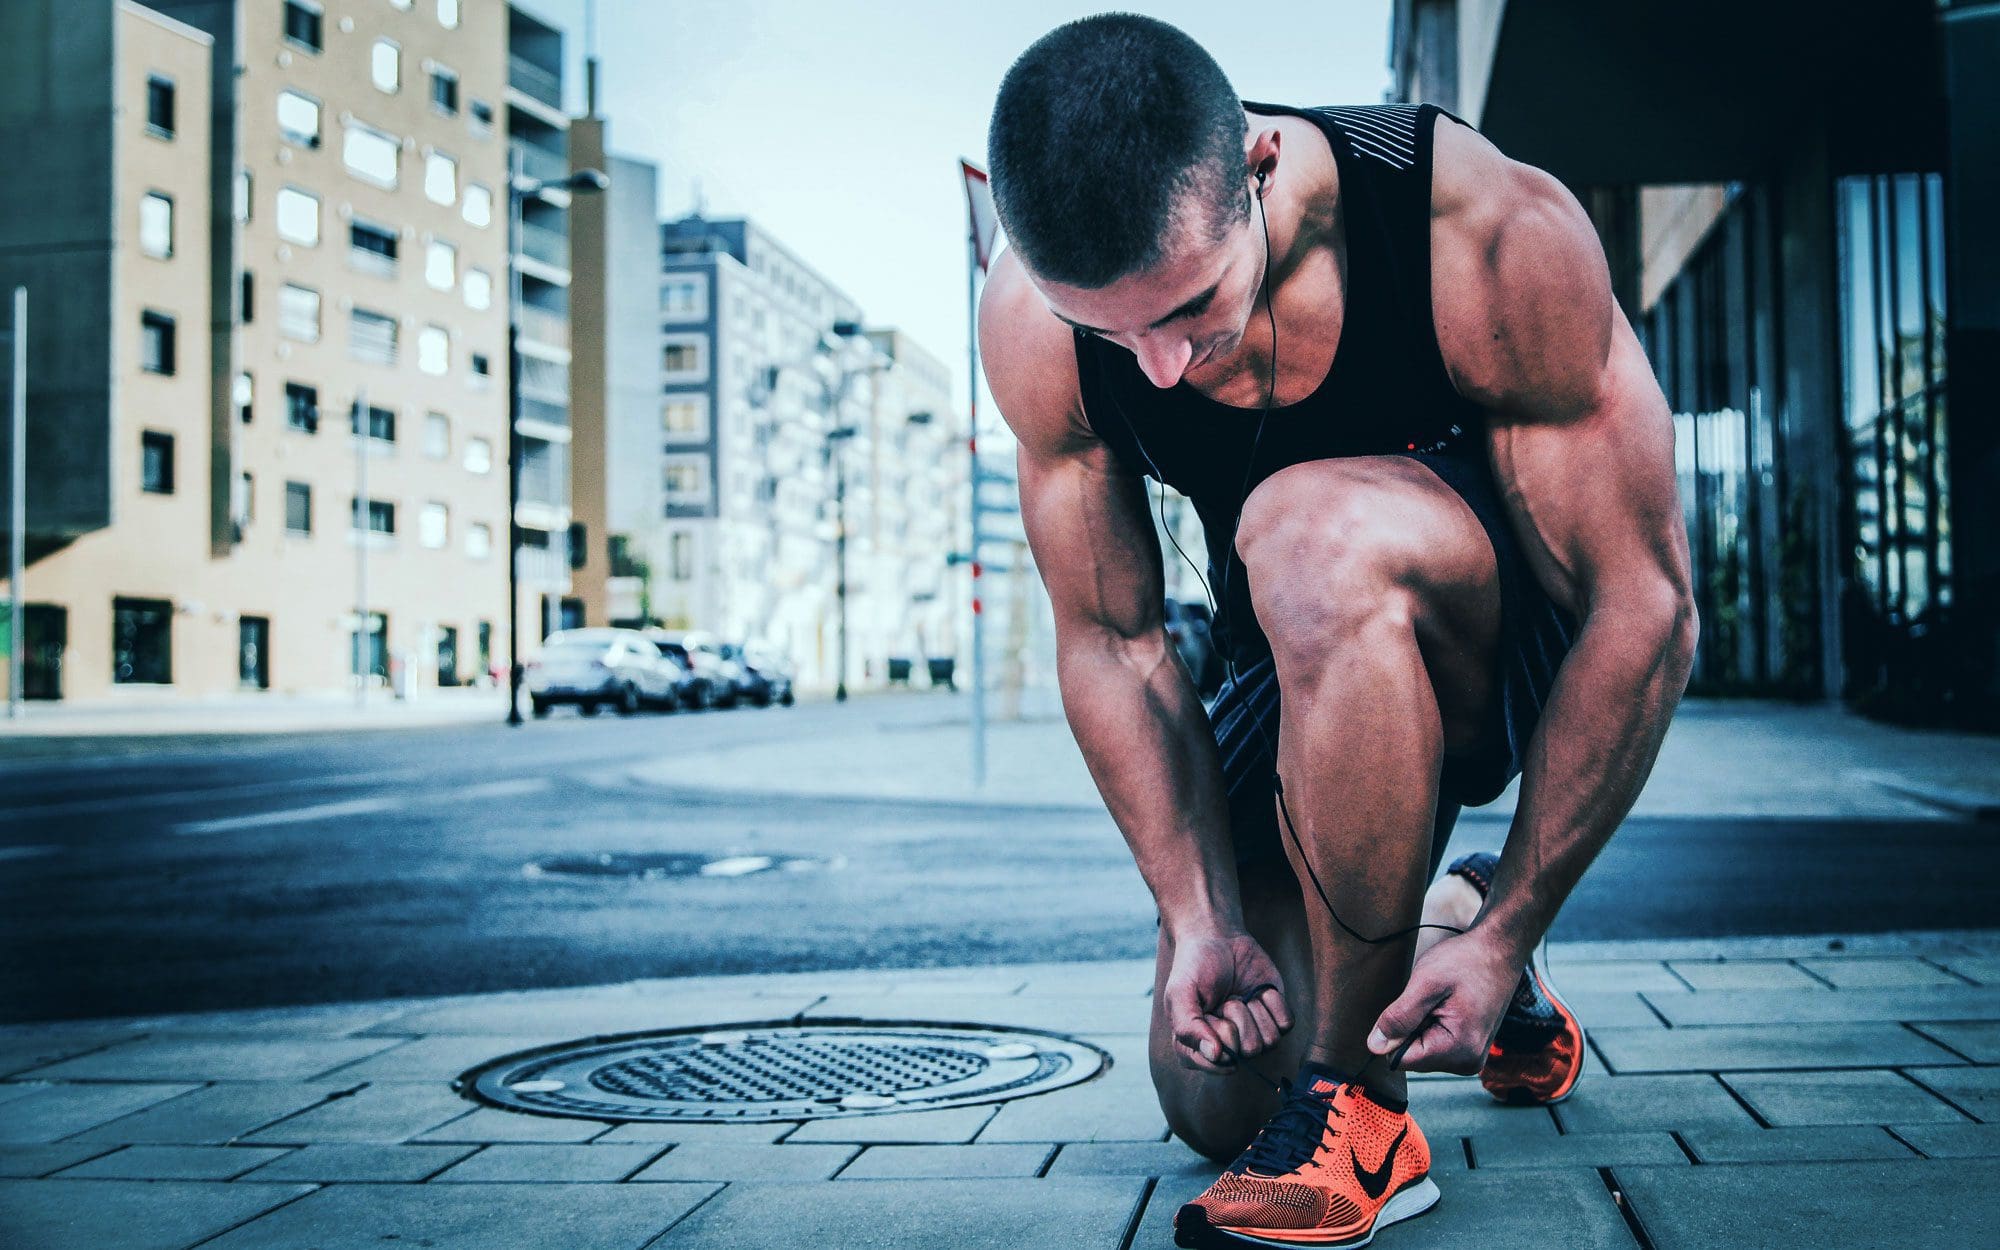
[595,668]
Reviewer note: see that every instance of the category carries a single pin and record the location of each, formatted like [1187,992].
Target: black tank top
[1386,393]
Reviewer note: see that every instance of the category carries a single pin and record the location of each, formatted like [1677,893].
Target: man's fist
[1225,1001]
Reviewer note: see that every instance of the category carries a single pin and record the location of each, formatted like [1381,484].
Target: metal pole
[17,498]
[513,436]
[364,637]
[840,569]
[972,446]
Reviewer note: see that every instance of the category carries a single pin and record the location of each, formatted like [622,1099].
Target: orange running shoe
[1537,1054]
[1333,1166]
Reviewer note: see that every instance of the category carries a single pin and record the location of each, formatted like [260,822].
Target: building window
[372,248]
[379,514]
[479,540]
[246,298]
[434,350]
[448,14]
[241,207]
[444,90]
[441,265]
[686,479]
[684,358]
[298,508]
[298,119]
[437,435]
[479,118]
[684,297]
[298,216]
[304,24]
[685,416]
[680,556]
[156,342]
[156,224]
[478,206]
[371,155]
[371,336]
[579,536]
[246,498]
[142,642]
[440,178]
[160,106]
[434,525]
[381,422]
[244,394]
[302,407]
[156,463]
[385,65]
[482,368]
[478,290]
[298,313]
[478,456]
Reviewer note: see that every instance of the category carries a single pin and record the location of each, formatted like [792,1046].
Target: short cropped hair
[1107,132]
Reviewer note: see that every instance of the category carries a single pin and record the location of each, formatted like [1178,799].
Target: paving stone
[28,1162]
[1975,1091]
[749,1163]
[696,1134]
[1953,1141]
[377,1113]
[213,1059]
[545,1165]
[1594,1150]
[1820,1143]
[1096,1014]
[1879,974]
[1775,1046]
[1080,1213]
[1984,969]
[897,1162]
[61,1110]
[24,1048]
[10,1090]
[1628,976]
[1157,1158]
[1624,1103]
[1944,1002]
[1119,1107]
[439,1058]
[489,1124]
[1785,1098]
[1977,1040]
[1830,1205]
[1610,1009]
[131,1215]
[582,1016]
[323,1020]
[953,1124]
[470,1217]
[214,1113]
[1462,1108]
[175,1163]
[1748,974]
[338,1162]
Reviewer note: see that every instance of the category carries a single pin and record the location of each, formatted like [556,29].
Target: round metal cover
[748,1074]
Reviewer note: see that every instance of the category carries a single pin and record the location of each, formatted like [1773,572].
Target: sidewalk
[1764,1092]
[149,713]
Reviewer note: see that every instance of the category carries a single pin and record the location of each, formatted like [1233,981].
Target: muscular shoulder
[1029,357]
[1521,294]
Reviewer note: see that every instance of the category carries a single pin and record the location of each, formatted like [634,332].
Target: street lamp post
[519,188]
[840,434]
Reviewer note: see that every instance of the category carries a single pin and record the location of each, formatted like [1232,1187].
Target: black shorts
[1535,634]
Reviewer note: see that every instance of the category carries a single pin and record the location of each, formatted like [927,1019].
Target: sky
[838,127]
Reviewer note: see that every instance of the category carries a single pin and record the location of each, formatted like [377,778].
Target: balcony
[549,246]
[539,163]
[539,325]
[534,81]
[547,412]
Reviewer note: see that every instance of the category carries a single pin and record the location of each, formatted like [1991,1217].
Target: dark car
[1188,629]
[707,680]
[770,673]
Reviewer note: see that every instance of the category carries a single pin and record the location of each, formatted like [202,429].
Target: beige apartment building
[268,340]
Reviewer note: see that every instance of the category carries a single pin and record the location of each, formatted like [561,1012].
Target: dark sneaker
[1330,1168]
[1537,1054]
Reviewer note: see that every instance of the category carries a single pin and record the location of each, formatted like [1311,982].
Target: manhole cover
[661,865]
[749,1074]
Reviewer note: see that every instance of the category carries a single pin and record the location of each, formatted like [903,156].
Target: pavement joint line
[1941,1097]
[1685,1148]
[1814,975]
[1049,1160]
[685,1216]
[1146,1193]
[1623,1202]
[1907,1143]
[311,1189]
[1675,974]
[1465,1148]
[1591,1041]
[1947,970]
[1955,1051]
[1654,1008]
[1741,1101]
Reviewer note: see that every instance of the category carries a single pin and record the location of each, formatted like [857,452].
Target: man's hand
[1224,995]
[1452,1006]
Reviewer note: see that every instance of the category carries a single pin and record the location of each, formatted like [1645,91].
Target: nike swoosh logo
[1374,1183]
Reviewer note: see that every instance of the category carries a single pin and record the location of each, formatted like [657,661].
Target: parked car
[713,681]
[770,672]
[595,668]
[1189,630]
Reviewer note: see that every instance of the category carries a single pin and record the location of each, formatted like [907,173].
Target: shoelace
[1292,1136]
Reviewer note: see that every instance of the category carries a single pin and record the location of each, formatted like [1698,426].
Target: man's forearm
[1142,731]
[1588,759]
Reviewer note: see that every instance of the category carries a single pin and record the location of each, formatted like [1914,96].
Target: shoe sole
[1521,1097]
[1192,1231]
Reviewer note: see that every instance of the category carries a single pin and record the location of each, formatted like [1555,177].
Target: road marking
[503,789]
[73,807]
[736,866]
[289,816]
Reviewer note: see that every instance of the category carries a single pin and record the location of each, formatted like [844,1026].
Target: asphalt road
[179,874]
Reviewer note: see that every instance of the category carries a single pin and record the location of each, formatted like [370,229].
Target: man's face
[1190,309]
